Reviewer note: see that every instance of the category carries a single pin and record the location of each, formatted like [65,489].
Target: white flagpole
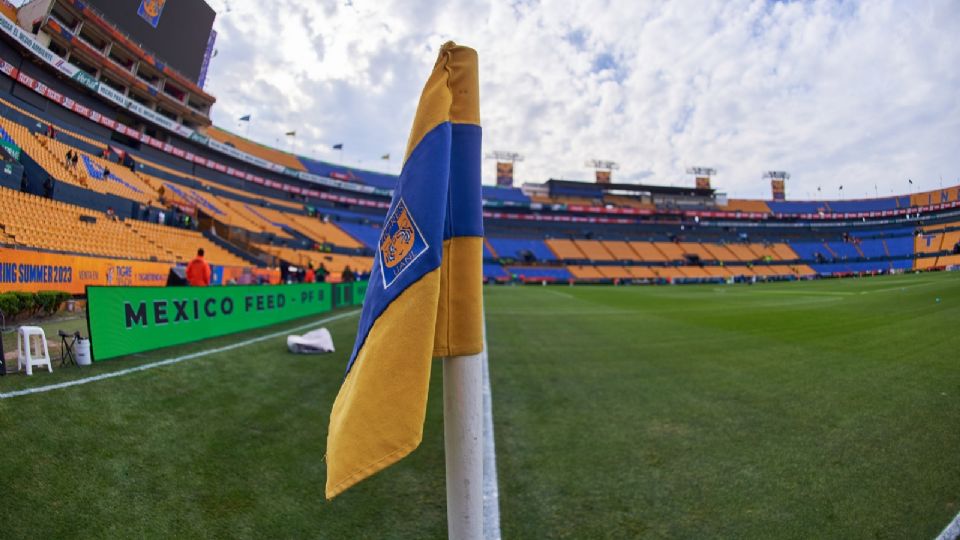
[463,445]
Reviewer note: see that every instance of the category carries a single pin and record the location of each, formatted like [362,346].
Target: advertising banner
[505,173]
[127,320]
[603,177]
[703,182]
[150,11]
[33,271]
[779,190]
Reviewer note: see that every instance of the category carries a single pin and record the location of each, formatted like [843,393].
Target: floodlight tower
[603,169]
[778,180]
[505,160]
[702,175]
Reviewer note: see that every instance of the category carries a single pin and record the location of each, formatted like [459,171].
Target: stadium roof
[637,188]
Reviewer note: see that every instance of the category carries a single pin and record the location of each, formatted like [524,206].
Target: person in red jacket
[310,276]
[198,271]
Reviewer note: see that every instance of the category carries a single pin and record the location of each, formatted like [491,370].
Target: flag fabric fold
[424,298]
[338,146]
[245,118]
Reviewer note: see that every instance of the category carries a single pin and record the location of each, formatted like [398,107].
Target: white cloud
[835,92]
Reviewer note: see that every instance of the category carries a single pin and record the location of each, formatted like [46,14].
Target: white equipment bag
[317,341]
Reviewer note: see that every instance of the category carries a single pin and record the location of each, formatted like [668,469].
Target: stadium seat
[594,250]
[566,249]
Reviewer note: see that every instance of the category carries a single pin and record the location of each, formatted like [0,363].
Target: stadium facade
[113,172]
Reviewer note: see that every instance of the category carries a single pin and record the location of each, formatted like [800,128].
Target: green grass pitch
[797,410]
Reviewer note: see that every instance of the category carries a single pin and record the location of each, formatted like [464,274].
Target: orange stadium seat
[745,205]
[594,250]
[615,272]
[647,251]
[721,253]
[565,249]
[621,250]
[670,250]
[742,252]
[585,272]
[695,248]
[643,272]
[255,149]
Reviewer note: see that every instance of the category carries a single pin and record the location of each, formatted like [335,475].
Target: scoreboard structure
[177,31]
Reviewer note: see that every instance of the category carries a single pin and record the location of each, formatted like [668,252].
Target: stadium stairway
[235,250]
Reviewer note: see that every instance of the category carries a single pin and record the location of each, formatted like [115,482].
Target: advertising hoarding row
[127,320]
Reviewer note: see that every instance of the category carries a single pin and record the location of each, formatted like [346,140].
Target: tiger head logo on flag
[401,243]
[153,7]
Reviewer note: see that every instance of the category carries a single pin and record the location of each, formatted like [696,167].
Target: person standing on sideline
[198,271]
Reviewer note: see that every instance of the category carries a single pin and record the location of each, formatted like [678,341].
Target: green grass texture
[819,409]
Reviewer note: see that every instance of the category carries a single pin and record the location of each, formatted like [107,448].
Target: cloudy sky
[835,92]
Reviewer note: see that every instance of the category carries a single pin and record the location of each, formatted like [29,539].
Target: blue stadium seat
[868,205]
[844,250]
[808,250]
[505,195]
[796,207]
[494,271]
[512,248]
[365,234]
[900,246]
[873,248]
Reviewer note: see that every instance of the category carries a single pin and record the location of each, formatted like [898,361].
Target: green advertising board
[12,148]
[127,320]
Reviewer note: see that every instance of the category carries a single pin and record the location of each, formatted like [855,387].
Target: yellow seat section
[36,222]
[621,250]
[647,251]
[671,251]
[594,250]
[695,248]
[565,249]
[745,205]
[615,272]
[254,149]
[180,245]
[585,272]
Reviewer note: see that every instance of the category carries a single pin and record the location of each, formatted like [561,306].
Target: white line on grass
[952,531]
[169,361]
[491,493]
[560,294]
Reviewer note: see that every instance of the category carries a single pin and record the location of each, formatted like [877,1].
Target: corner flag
[425,295]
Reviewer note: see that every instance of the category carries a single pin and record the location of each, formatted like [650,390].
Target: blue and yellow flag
[425,295]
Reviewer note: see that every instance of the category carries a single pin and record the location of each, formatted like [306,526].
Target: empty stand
[521,249]
[647,251]
[565,249]
[621,250]
[180,245]
[594,250]
[585,272]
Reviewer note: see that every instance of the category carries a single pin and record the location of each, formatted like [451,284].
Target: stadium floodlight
[504,156]
[701,171]
[777,175]
[603,165]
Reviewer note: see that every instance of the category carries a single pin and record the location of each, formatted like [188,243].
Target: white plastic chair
[25,356]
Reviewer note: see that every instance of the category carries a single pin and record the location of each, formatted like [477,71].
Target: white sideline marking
[491,493]
[952,531]
[169,361]
[560,294]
